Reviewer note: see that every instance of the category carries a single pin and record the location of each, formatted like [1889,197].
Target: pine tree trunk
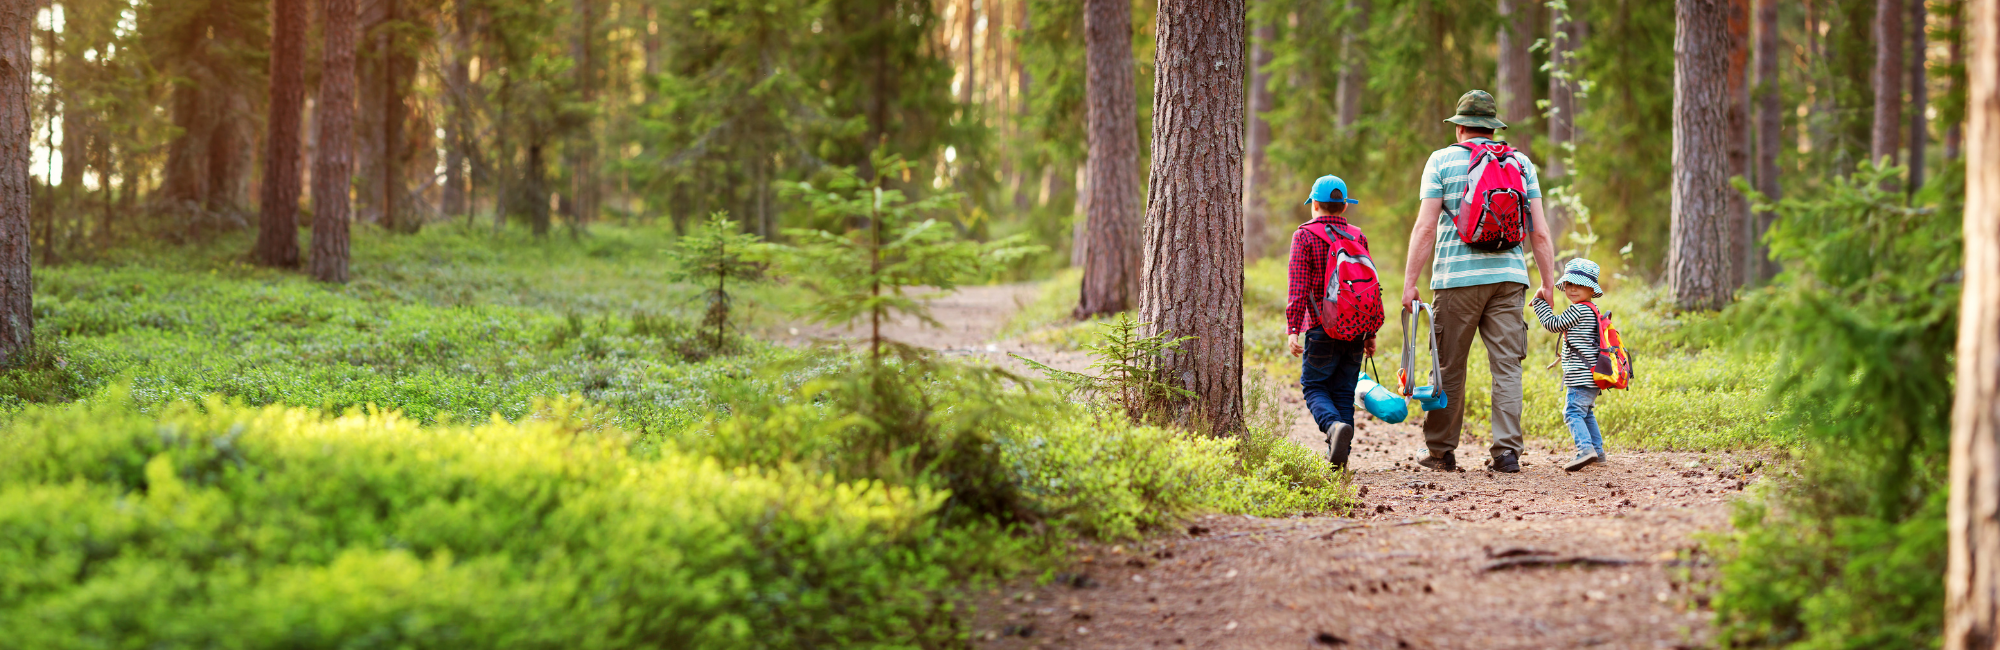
[583,148]
[967,17]
[333,163]
[1698,261]
[1517,74]
[1354,75]
[1884,141]
[1111,259]
[457,196]
[278,209]
[1770,127]
[17,314]
[1193,280]
[1561,119]
[1256,172]
[1739,142]
[1919,94]
[1972,572]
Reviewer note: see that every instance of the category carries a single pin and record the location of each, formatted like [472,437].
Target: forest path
[1472,559]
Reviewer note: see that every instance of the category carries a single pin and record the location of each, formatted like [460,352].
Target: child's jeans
[1581,414]
[1327,373]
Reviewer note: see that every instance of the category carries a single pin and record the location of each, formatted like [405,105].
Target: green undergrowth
[489,441]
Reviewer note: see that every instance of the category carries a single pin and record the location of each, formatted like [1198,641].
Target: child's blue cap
[1324,188]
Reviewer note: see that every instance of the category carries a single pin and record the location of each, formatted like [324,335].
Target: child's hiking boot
[1507,462]
[1445,462]
[1583,458]
[1339,443]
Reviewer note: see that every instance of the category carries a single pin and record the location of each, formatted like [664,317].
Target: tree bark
[1698,263]
[1354,75]
[1919,95]
[1256,172]
[1770,127]
[17,315]
[457,196]
[967,16]
[1972,572]
[1565,34]
[1884,141]
[1193,280]
[278,209]
[333,164]
[1739,141]
[1111,256]
[1517,73]
[583,154]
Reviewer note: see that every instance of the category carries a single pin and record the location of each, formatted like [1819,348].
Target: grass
[530,427]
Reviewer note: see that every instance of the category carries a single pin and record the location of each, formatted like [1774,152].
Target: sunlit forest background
[562,364]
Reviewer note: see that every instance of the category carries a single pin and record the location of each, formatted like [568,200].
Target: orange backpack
[1612,366]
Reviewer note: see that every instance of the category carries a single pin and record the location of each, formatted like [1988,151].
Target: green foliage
[711,255]
[1129,377]
[1865,317]
[893,246]
[216,524]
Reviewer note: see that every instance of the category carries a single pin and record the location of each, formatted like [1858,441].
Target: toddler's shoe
[1583,457]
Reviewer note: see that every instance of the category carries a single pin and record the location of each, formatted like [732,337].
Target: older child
[1337,315]
[1579,352]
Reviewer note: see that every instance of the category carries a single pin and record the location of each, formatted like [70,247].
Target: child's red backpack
[1352,306]
[1494,215]
[1612,366]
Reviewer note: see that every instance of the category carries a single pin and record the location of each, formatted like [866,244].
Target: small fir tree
[712,255]
[894,245]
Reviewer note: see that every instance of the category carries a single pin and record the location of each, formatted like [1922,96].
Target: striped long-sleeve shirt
[1580,321]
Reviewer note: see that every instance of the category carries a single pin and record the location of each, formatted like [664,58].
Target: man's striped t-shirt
[1455,264]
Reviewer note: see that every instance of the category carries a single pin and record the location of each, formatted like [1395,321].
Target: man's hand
[1410,296]
[1546,293]
[1292,344]
[1368,347]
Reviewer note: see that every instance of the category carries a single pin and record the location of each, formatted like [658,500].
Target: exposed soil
[1545,558]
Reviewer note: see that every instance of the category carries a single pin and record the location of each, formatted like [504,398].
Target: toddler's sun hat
[1582,272]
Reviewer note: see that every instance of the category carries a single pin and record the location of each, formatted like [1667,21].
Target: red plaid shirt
[1308,274]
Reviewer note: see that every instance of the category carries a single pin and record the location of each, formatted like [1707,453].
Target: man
[1475,291]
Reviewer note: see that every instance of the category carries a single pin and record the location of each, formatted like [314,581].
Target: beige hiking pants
[1495,311]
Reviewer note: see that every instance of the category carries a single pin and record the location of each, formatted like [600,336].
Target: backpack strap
[1598,322]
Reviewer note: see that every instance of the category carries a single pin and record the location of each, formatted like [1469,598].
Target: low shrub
[217,525]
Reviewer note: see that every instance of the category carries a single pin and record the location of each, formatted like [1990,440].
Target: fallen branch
[1554,560]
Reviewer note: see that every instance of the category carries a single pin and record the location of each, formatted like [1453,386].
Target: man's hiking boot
[1339,443]
[1445,462]
[1603,457]
[1582,459]
[1506,463]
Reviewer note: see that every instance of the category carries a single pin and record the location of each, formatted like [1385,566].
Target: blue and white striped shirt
[1454,264]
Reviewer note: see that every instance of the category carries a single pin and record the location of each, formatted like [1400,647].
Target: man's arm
[1423,241]
[1545,251]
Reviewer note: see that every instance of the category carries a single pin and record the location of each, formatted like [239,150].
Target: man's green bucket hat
[1476,108]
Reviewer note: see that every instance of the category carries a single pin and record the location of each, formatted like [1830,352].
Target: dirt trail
[1469,559]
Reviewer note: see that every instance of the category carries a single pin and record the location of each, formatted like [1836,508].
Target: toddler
[1579,353]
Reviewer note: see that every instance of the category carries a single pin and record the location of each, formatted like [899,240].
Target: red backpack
[1352,306]
[1494,215]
